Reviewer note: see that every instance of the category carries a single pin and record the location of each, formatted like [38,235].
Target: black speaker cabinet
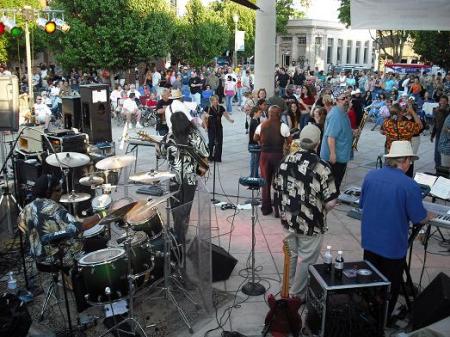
[9,103]
[222,263]
[346,307]
[433,304]
[96,112]
[71,110]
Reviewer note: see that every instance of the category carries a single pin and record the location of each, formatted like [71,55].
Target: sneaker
[138,125]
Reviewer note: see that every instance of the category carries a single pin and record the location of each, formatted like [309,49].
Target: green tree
[285,11]
[433,46]
[113,34]
[200,35]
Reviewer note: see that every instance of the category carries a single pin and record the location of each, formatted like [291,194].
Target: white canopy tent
[400,14]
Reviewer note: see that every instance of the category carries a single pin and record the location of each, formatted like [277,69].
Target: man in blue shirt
[390,201]
[337,139]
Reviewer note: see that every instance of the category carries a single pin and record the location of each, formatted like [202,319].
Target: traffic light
[11,27]
[62,26]
[47,26]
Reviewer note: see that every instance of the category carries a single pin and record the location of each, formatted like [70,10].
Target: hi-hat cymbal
[91,181]
[74,197]
[151,177]
[115,162]
[68,159]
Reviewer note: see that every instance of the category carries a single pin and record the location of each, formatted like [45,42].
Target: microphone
[59,236]
[124,134]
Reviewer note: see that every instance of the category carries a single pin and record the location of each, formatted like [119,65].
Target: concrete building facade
[321,43]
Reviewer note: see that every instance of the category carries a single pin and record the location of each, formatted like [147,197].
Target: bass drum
[141,256]
[104,273]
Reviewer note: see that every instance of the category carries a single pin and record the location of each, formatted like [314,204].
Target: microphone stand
[213,155]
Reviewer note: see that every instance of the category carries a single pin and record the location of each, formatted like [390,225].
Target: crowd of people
[300,140]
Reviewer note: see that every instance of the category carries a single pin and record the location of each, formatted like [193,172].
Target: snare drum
[95,238]
[104,273]
[143,218]
[141,256]
[101,203]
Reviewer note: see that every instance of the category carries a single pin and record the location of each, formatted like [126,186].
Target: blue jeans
[304,119]
[282,91]
[254,164]
[437,154]
[229,103]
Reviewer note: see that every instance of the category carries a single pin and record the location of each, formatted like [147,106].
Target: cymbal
[151,177]
[91,181]
[75,197]
[118,214]
[68,159]
[115,162]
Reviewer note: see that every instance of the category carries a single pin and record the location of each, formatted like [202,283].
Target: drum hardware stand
[11,202]
[135,325]
[253,288]
[168,287]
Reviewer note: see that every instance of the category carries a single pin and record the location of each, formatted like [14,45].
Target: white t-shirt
[156,78]
[137,94]
[176,105]
[54,91]
[41,111]
[284,130]
[129,105]
[5,73]
[115,95]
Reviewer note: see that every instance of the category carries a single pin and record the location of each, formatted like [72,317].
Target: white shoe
[130,126]
[139,126]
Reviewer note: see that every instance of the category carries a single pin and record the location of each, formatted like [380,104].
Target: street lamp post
[235,20]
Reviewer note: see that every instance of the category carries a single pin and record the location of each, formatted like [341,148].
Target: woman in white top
[230,91]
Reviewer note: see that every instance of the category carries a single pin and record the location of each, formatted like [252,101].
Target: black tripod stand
[11,202]
[253,288]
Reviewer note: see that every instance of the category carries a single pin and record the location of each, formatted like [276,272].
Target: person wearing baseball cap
[390,201]
[303,208]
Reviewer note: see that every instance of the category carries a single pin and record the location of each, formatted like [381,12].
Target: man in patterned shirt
[45,215]
[307,191]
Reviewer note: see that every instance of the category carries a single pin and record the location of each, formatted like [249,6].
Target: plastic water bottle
[339,266]
[328,259]
[12,283]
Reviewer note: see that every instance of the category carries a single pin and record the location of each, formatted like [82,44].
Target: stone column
[310,48]
[334,51]
[361,53]
[344,51]
[323,52]
[369,56]
[352,54]
[265,45]
[294,49]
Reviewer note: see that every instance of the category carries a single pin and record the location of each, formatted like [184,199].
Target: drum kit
[113,270]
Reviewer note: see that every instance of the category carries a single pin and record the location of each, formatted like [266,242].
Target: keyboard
[443,218]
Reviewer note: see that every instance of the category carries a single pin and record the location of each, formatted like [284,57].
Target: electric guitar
[283,317]
[203,165]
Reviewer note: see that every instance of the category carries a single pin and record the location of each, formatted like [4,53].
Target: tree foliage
[200,35]
[285,11]
[113,34]
[433,46]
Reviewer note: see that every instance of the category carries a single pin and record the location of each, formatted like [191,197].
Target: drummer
[45,215]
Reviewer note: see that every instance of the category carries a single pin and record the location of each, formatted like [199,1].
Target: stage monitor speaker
[222,263]
[96,113]
[71,110]
[9,103]
[433,304]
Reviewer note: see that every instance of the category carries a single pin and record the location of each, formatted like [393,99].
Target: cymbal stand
[135,325]
[170,281]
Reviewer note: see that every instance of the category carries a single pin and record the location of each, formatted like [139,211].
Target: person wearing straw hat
[177,105]
[390,201]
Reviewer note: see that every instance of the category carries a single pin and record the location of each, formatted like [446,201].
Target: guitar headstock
[142,135]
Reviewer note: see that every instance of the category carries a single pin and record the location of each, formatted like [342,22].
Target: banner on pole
[239,40]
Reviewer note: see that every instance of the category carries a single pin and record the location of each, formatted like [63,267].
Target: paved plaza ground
[344,232]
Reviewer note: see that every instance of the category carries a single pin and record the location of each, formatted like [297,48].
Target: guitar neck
[285,284]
